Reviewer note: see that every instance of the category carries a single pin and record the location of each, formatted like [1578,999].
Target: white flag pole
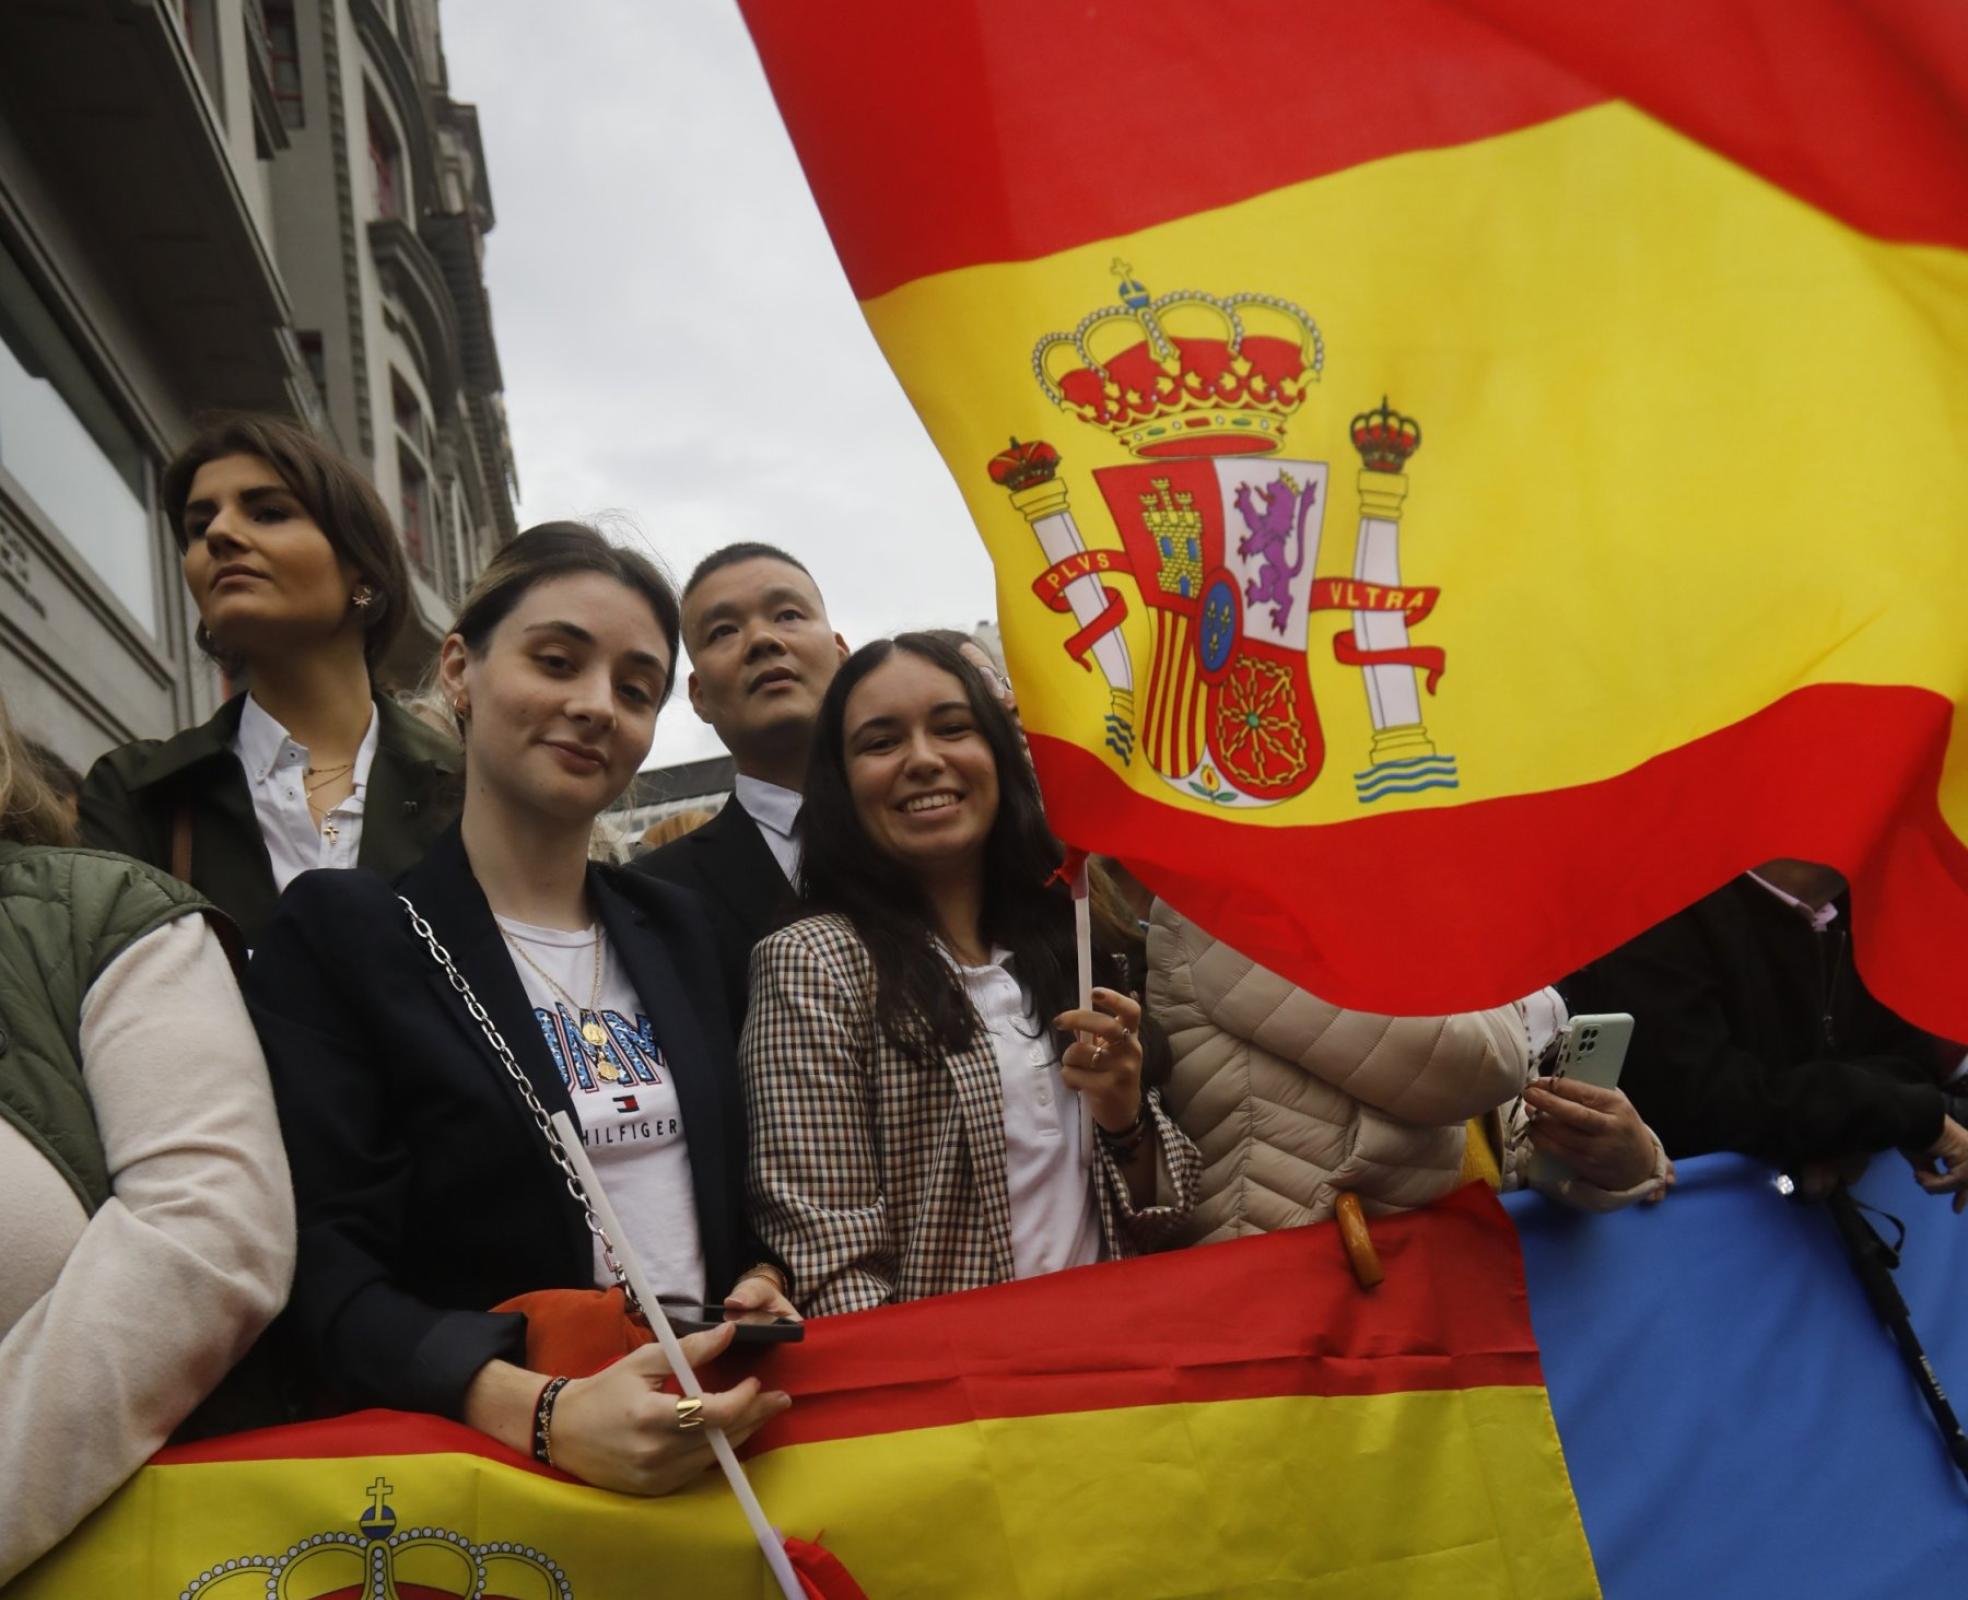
[1082,892]
[769,1542]
[1083,933]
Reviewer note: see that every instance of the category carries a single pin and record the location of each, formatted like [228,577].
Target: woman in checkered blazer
[920,1123]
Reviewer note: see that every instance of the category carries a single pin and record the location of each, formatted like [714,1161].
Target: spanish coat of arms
[1220,533]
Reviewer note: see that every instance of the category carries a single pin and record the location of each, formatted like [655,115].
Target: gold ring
[690,1412]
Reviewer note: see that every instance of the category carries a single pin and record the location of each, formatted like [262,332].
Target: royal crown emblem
[1385,439]
[378,1560]
[1184,374]
[1220,534]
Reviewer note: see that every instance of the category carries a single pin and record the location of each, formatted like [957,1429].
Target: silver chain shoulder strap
[527,1092]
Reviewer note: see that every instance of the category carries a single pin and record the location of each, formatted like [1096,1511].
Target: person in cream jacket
[1291,1099]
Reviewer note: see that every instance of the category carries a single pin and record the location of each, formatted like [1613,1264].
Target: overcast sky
[679,343]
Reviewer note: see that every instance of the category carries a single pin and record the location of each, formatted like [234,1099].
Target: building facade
[216,204]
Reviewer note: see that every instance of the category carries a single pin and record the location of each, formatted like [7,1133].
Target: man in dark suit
[762,653]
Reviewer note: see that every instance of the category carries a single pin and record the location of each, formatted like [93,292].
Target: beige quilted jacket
[1290,1099]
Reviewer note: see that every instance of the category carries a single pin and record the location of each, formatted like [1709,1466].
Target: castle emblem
[377,1560]
[1220,534]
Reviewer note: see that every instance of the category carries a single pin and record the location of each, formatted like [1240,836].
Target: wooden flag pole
[769,1542]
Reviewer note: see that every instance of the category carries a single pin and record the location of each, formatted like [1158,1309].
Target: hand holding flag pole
[1073,873]
[769,1542]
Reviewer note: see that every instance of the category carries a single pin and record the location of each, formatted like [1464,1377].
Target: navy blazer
[730,866]
[425,1191]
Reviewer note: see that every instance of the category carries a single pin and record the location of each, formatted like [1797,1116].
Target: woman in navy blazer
[426,1192]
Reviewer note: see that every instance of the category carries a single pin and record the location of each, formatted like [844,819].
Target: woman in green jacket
[149,1220]
[300,587]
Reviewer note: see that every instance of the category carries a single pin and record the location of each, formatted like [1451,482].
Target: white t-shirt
[624,1099]
[1055,1220]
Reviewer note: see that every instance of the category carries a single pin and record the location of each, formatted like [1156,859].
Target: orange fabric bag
[574,1333]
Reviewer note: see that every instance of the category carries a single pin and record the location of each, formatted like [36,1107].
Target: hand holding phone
[1591,1050]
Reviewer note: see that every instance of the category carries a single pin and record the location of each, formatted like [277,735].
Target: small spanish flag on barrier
[1235,1420]
[1465,477]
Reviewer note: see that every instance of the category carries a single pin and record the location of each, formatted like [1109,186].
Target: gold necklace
[320,814]
[607,1070]
[323,776]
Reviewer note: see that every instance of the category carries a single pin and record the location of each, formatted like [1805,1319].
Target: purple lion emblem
[1270,527]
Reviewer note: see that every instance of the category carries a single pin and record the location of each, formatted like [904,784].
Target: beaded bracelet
[543,1420]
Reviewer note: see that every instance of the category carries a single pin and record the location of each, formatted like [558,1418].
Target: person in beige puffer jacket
[1291,1099]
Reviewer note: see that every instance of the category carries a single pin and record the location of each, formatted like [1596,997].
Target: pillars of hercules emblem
[1040,498]
[1403,758]
[1393,695]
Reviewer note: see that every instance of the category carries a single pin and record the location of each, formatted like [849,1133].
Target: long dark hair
[340,499]
[920,1004]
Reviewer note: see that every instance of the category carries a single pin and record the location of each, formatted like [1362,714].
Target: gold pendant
[597,1036]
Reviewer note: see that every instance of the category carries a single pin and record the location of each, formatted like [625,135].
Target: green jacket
[131,798]
[64,916]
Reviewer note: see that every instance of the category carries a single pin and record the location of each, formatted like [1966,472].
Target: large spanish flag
[1232,1420]
[1465,477]
[1238,1420]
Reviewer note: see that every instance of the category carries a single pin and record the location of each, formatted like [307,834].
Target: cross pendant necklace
[323,777]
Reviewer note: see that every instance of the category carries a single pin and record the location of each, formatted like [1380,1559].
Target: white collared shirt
[1055,1221]
[276,777]
[1820,917]
[775,810]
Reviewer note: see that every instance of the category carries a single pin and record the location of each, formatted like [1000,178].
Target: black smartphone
[696,1318]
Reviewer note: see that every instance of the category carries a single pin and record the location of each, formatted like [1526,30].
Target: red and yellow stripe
[1681,302]
[1010,130]
[1240,1419]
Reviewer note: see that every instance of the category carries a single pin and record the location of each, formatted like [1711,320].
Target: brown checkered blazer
[872,1178]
